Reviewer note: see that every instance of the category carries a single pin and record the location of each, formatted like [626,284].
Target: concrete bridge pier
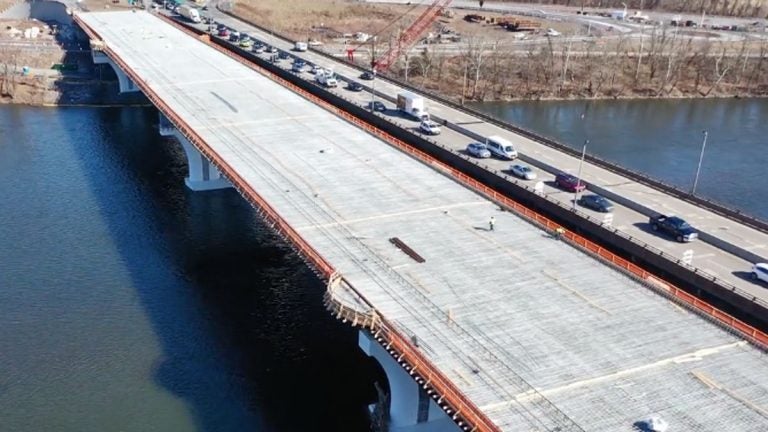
[411,409]
[202,175]
[126,85]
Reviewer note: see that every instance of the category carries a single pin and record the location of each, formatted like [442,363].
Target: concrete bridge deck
[637,200]
[535,333]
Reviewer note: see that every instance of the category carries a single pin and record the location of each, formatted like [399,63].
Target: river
[663,138]
[129,303]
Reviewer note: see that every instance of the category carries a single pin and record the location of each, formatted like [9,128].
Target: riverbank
[51,91]
[54,68]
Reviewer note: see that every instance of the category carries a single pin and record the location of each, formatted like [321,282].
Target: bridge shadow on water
[246,342]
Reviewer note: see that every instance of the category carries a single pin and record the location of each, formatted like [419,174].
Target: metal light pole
[464,85]
[373,89]
[701,158]
[578,177]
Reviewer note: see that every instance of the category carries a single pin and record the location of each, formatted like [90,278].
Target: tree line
[663,64]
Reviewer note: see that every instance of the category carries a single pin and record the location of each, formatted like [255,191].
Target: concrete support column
[202,175]
[410,409]
[126,85]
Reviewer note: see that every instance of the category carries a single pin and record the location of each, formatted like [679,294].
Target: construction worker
[491,223]
[559,232]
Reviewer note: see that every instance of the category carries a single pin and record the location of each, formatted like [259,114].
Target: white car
[760,272]
[429,127]
[523,172]
[478,150]
[653,424]
[552,32]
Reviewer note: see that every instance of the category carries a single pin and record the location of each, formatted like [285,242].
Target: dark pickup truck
[674,226]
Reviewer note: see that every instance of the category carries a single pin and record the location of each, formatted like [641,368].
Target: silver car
[478,150]
[523,172]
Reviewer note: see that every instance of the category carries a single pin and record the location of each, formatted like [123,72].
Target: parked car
[354,86]
[478,150]
[760,272]
[234,36]
[523,172]
[596,202]
[297,66]
[271,50]
[258,48]
[652,424]
[367,76]
[224,32]
[673,226]
[377,106]
[429,127]
[569,182]
[316,69]
[246,43]
[552,32]
[283,55]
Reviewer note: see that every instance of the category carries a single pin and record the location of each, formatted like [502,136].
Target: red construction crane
[409,37]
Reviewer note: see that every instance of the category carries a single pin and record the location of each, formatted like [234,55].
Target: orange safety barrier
[400,346]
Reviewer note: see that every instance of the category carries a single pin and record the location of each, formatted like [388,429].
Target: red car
[224,32]
[569,182]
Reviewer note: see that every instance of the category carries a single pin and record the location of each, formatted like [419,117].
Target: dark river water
[128,303]
[663,138]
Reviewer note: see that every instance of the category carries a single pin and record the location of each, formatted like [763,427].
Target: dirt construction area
[328,21]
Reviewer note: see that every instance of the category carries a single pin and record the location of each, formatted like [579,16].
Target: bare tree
[474,52]
[9,71]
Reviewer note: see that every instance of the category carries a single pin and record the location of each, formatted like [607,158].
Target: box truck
[412,105]
[189,13]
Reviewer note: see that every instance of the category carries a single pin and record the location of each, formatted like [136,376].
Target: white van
[500,147]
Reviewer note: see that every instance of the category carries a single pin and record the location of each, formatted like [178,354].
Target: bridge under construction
[509,326]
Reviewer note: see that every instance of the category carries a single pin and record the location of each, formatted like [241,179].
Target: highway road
[706,257]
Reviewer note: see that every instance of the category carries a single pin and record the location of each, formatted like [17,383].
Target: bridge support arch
[126,85]
[410,408]
[202,175]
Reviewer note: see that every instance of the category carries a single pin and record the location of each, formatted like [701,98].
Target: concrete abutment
[411,409]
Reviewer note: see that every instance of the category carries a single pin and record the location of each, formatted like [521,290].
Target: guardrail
[457,405]
[718,208]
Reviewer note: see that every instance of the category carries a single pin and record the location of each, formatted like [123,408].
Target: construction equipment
[517,24]
[408,37]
